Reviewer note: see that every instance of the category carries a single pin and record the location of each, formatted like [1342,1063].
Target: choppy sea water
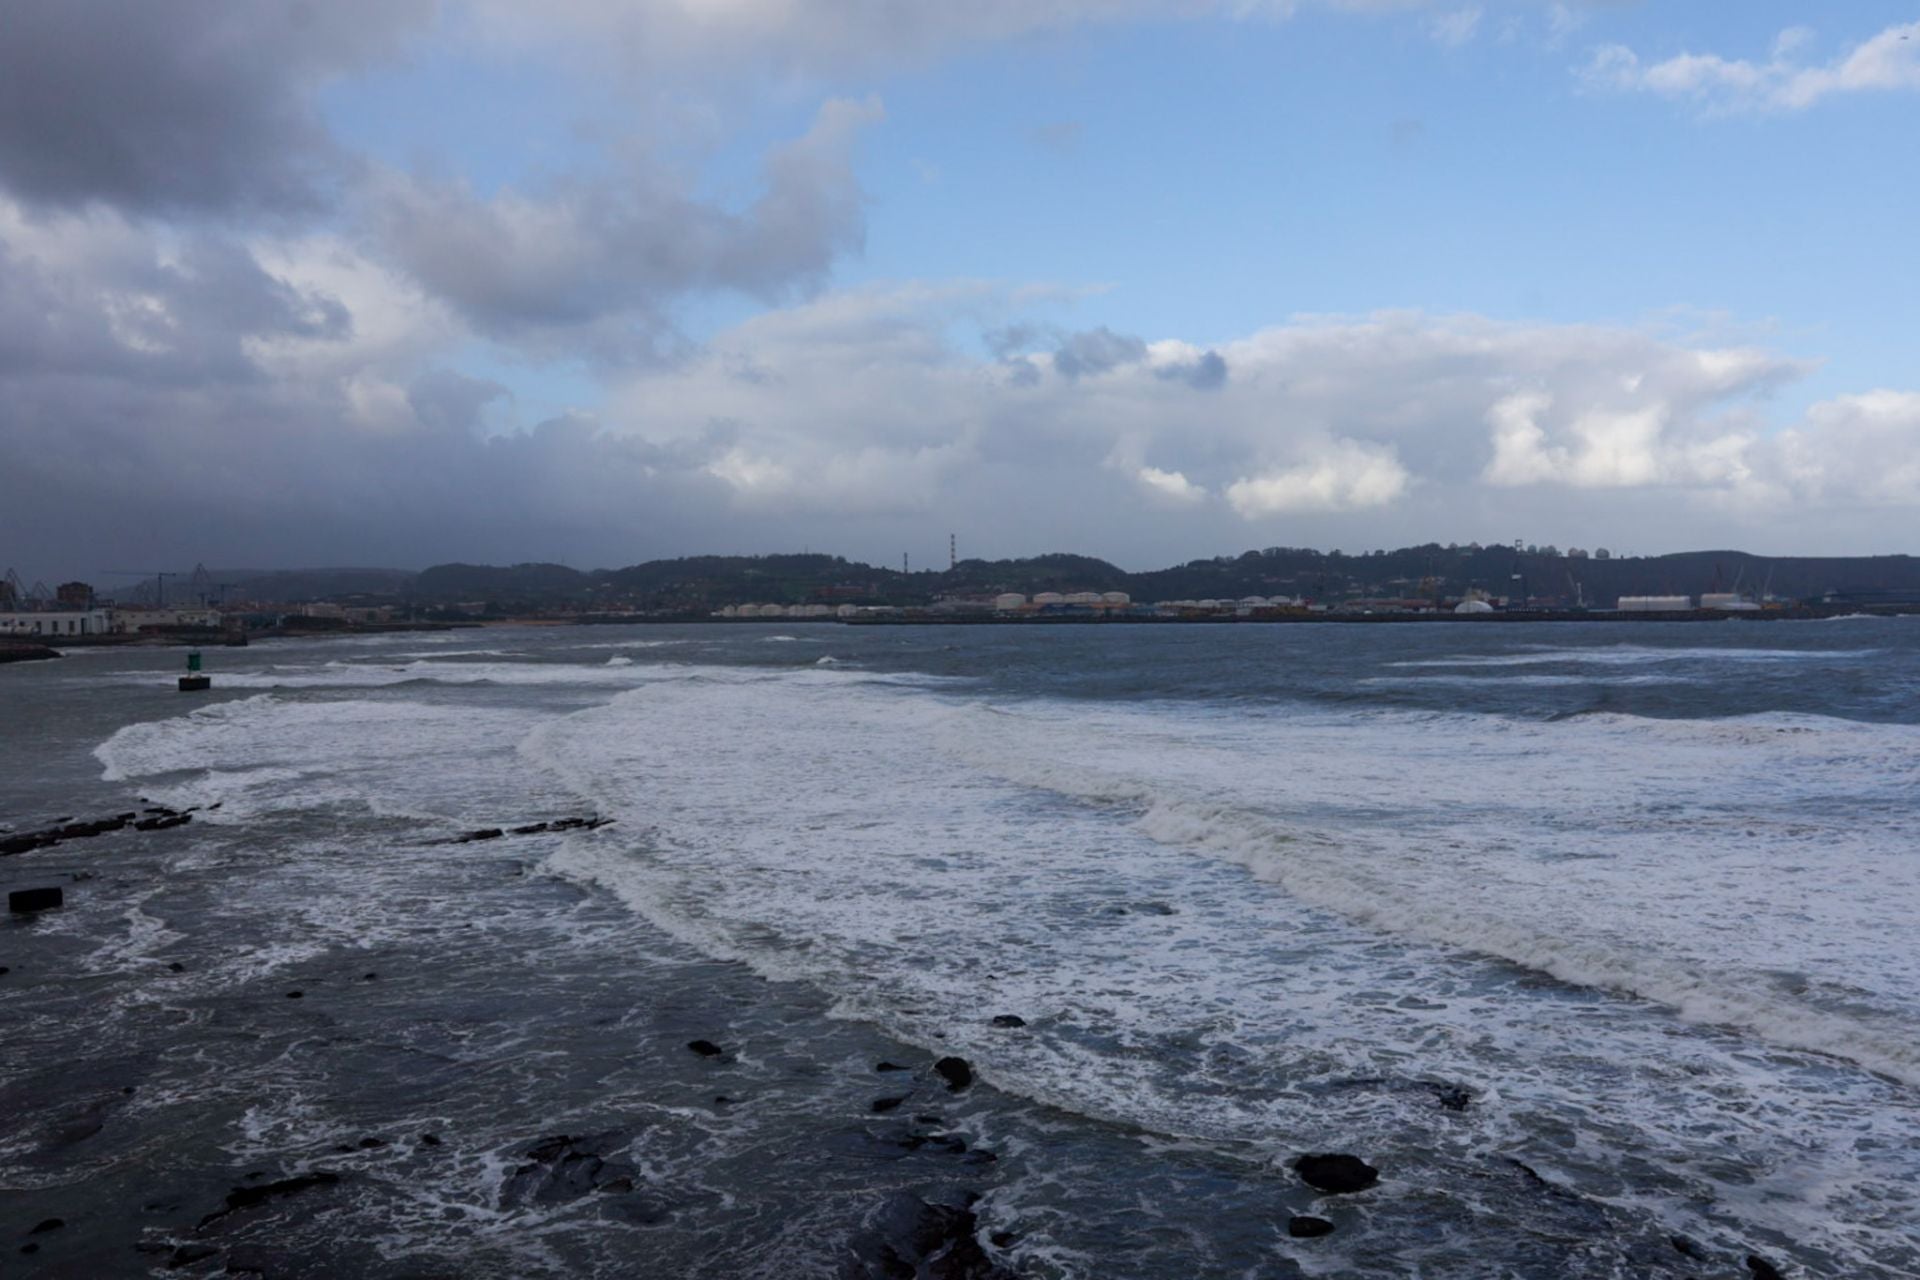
[1598,941]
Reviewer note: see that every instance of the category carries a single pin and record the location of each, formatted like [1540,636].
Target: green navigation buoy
[194,681]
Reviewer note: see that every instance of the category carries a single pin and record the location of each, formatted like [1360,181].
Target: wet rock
[188,1254]
[176,967]
[296,995]
[913,1237]
[884,1105]
[486,833]
[532,828]
[27,901]
[1008,1020]
[1336,1174]
[955,1071]
[705,1048]
[888,1066]
[30,1247]
[369,977]
[563,1168]
[429,1140]
[251,1197]
[370,1144]
[163,822]
[1452,1097]
[1686,1248]
[1308,1228]
[50,1224]
[1762,1269]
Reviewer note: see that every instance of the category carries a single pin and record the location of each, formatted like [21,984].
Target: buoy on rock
[194,681]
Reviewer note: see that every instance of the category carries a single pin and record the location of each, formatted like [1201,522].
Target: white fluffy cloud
[1889,61]
[1343,475]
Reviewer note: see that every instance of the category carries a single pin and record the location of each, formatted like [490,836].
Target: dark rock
[50,1224]
[369,977]
[1762,1269]
[1336,1174]
[429,1140]
[705,1048]
[296,995]
[251,1197]
[532,828]
[485,833]
[912,1237]
[188,1254]
[164,822]
[1008,1020]
[1451,1096]
[369,1144]
[1305,1228]
[177,967]
[30,1247]
[26,901]
[1003,1239]
[563,1168]
[888,1066]
[955,1071]
[883,1105]
[1686,1248]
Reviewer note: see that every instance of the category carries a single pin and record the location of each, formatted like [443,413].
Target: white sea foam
[1626,655]
[929,860]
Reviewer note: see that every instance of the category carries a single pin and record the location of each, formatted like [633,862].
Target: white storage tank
[1115,599]
[1009,602]
[1655,604]
[1473,606]
[1046,598]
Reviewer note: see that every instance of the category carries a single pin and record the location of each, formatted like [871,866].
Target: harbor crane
[159,581]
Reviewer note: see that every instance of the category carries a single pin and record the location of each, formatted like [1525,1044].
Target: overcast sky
[331,282]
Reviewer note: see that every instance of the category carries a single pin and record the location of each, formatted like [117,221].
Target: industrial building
[47,623]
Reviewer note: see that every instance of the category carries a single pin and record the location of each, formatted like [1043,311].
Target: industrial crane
[159,581]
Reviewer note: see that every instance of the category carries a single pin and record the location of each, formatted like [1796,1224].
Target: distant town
[1470,581]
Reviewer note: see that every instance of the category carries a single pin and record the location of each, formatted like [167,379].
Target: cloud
[791,39]
[1887,62]
[193,107]
[595,262]
[1339,475]
[1855,449]
[297,400]
[1455,29]
[1095,352]
[1171,486]
[1206,371]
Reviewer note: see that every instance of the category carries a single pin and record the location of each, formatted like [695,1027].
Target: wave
[1633,655]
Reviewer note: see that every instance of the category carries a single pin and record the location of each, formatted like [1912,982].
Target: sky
[397,282]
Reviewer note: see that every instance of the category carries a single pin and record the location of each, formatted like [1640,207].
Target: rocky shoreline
[10,652]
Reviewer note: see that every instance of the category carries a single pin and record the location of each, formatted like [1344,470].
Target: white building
[47,625]
[135,619]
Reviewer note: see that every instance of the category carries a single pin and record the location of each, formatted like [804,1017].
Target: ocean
[1597,942]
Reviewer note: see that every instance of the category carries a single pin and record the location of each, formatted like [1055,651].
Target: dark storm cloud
[189,105]
[592,263]
[127,312]
[1095,351]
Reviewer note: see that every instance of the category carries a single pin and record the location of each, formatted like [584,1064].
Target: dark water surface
[1596,941]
